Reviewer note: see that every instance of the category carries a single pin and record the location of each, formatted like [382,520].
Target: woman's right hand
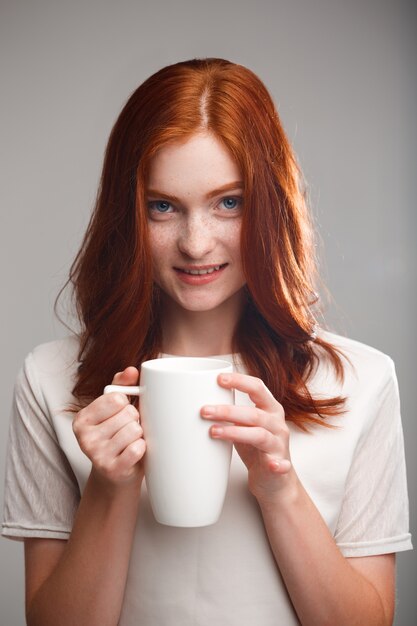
[59,578]
[109,433]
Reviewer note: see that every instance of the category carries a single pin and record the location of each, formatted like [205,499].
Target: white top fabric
[221,574]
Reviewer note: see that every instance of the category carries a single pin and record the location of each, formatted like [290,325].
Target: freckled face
[194,196]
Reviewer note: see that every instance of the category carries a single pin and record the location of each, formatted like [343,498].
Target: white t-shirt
[225,573]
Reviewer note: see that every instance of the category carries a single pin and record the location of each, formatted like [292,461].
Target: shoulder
[369,386]
[361,361]
[55,355]
[369,380]
[50,368]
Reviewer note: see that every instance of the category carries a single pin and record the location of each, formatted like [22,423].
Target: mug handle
[129,391]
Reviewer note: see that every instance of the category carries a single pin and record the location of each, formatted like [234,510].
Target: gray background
[343,76]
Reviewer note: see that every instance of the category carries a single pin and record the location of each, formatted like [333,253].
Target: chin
[199,307]
[204,302]
[202,305]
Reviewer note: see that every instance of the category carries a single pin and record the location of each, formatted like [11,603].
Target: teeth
[202,272]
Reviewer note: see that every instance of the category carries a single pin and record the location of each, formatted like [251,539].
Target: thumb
[129,376]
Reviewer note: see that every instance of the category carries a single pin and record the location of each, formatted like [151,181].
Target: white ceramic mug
[186,470]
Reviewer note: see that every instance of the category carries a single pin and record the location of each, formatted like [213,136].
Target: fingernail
[281,467]
[216,431]
[224,378]
[208,410]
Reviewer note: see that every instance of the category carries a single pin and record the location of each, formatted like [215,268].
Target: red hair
[112,274]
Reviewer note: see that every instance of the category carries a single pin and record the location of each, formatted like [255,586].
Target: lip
[200,279]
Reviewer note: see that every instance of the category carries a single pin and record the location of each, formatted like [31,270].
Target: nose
[197,238]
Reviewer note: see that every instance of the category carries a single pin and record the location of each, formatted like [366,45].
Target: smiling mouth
[202,271]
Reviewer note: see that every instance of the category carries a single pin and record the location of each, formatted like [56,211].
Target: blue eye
[231,202]
[160,206]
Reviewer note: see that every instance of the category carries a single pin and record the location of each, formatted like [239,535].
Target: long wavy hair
[116,300]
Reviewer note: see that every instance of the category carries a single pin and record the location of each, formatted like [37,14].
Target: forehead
[201,162]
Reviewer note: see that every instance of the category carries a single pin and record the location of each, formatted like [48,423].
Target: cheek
[231,238]
[160,239]
[159,250]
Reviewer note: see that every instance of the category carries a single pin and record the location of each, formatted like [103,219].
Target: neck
[200,333]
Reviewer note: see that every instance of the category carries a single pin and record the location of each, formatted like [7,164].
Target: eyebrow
[215,192]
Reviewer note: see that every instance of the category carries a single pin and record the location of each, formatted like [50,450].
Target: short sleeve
[41,492]
[374,513]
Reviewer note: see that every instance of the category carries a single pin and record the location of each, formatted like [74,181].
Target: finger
[129,376]
[279,466]
[231,413]
[103,408]
[124,437]
[111,426]
[244,415]
[259,438]
[131,455]
[247,416]
[254,387]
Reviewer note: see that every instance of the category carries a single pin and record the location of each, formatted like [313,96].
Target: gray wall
[343,75]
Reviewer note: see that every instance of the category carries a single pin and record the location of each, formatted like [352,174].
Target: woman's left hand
[260,435]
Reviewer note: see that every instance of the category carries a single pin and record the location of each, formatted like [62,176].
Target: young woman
[200,245]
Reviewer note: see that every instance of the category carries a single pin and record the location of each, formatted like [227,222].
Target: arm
[325,587]
[82,581]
